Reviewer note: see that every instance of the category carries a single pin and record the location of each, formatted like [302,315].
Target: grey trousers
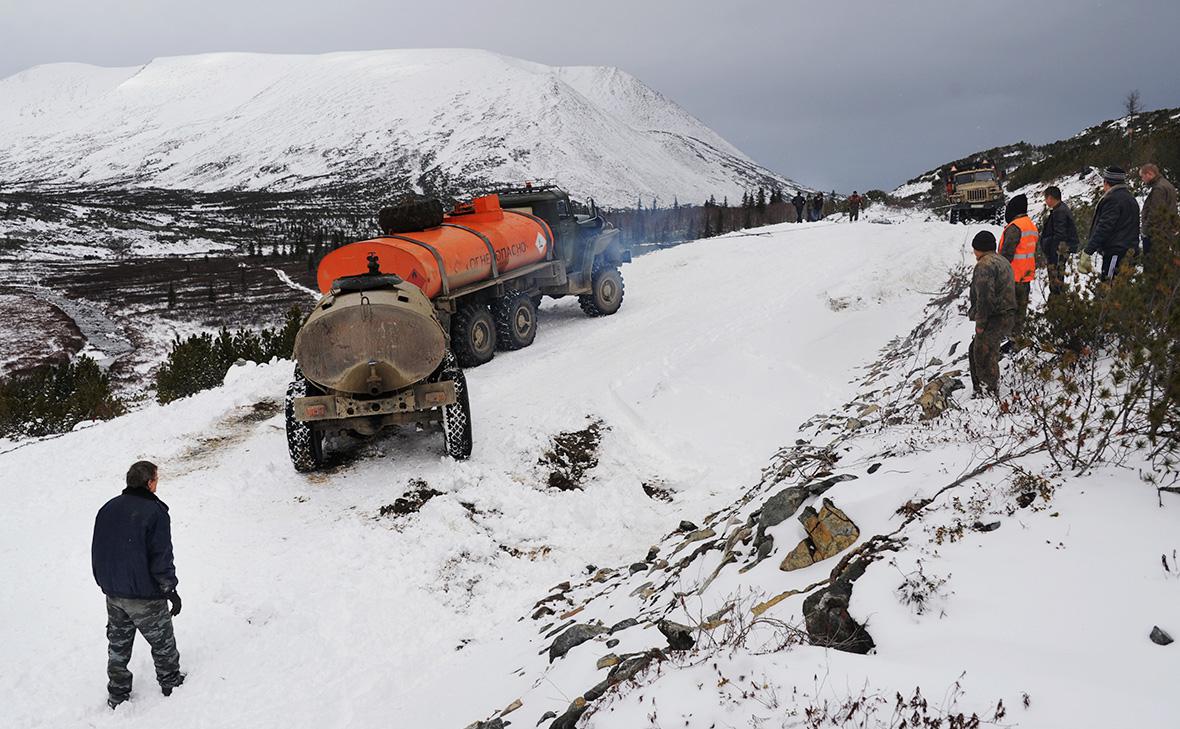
[154,621]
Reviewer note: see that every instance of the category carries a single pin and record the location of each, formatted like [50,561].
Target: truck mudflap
[421,397]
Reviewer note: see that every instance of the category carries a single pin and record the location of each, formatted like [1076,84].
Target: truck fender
[608,246]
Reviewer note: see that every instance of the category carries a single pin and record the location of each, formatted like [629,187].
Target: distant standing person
[817,207]
[1018,245]
[993,308]
[1059,239]
[1115,229]
[800,204]
[854,206]
[131,556]
[1160,203]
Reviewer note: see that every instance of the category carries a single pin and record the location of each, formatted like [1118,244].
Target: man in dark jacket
[131,556]
[1059,238]
[1115,229]
[800,204]
[817,207]
[993,308]
[1159,205]
[854,207]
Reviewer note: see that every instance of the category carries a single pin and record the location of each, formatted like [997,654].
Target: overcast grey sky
[834,93]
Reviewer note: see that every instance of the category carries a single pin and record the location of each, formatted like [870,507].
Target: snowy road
[304,608]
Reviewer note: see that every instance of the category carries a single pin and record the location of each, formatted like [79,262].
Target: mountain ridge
[423,118]
[1127,141]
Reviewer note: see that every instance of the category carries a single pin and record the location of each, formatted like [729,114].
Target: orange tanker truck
[403,313]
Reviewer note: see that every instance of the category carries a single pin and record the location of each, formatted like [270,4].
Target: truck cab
[975,193]
[581,241]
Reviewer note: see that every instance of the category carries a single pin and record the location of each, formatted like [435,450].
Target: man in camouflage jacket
[993,309]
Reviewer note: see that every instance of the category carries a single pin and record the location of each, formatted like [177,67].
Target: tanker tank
[476,242]
[370,336]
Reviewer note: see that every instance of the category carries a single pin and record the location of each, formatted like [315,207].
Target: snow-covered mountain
[433,118]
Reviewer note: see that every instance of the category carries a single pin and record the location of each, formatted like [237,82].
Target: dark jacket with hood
[1115,229]
[1059,228]
[131,553]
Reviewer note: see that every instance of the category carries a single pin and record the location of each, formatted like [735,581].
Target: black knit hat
[984,240]
[1017,206]
[1114,175]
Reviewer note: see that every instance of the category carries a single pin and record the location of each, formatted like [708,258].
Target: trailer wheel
[456,417]
[516,320]
[473,335]
[304,442]
[606,292]
[954,216]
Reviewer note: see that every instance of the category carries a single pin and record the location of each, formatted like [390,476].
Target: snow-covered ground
[306,608]
[911,189]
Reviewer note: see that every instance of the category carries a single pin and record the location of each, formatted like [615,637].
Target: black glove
[174,600]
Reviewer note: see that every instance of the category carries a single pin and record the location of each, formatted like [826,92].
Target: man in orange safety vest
[1019,245]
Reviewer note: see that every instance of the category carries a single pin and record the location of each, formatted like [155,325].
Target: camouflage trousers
[1022,294]
[154,621]
[984,354]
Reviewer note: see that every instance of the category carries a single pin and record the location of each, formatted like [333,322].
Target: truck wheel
[456,417]
[998,216]
[516,321]
[954,217]
[606,292]
[473,335]
[304,442]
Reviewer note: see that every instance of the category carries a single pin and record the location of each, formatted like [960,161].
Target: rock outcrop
[825,613]
[936,396]
[573,636]
[829,532]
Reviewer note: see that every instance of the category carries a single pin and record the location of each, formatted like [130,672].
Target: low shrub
[55,398]
[199,362]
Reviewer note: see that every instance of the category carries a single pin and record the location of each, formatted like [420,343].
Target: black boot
[113,701]
[167,690]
